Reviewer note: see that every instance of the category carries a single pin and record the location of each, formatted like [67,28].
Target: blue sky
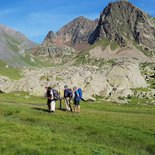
[35,18]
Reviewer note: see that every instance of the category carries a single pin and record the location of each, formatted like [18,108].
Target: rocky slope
[110,81]
[53,53]
[123,22]
[12,45]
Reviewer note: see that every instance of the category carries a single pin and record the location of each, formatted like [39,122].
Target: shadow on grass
[40,109]
[46,110]
[62,109]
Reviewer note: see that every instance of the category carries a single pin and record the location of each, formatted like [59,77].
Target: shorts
[76,102]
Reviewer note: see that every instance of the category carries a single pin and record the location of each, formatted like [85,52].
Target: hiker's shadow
[40,109]
[62,109]
[46,110]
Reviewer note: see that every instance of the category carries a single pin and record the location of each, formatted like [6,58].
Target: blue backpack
[80,92]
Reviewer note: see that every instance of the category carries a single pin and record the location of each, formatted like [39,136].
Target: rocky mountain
[74,34]
[77,32]
[61,46]
[13,45]
[130,33]
[122,22]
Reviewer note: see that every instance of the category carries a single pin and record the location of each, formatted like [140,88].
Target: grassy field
[101,128]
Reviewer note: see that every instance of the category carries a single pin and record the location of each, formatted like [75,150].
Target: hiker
[77,99]
[48,95]
[68,94]
[52,96]
[80,94]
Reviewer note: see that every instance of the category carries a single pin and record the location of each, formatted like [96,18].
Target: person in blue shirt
[77,99]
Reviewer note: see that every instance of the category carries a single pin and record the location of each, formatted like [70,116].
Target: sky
[34,18]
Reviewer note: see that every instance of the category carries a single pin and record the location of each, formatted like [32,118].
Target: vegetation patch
[145,50]
[141,89]
[8,71]
[113,45]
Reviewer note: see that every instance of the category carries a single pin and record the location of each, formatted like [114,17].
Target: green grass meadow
[101,128]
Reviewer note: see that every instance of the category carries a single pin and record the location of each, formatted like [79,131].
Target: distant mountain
[122,22]
[77,31]
[62,45]
[13,45]
[74,34]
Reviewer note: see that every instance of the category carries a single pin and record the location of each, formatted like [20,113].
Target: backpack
[56,94]
[80,92]
[68,93]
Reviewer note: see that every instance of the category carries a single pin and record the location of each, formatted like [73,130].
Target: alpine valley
[111,57]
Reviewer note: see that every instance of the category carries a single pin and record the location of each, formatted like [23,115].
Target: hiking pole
[60,106]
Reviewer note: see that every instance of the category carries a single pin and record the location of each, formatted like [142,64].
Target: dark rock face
[122,21]
[77,31]
[50,37]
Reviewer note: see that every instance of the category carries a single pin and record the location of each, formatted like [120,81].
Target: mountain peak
[81,18]
[122,21]
[74,34]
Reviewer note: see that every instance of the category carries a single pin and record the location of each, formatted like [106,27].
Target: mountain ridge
[13,45]
[73,34]
[120,22]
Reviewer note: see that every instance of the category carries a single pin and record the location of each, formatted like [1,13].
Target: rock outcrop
[54,53]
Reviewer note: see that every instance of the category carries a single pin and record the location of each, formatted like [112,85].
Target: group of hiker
[67,95]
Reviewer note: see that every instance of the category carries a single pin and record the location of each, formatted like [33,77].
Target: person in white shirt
[50,99]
